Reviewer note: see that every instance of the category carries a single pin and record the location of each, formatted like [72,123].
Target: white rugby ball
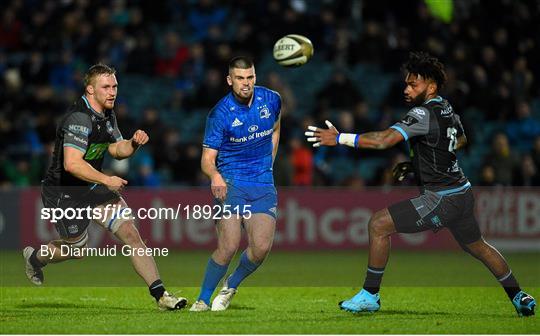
[293,50]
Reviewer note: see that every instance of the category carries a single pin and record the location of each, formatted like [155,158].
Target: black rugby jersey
[86,130]
[432,131]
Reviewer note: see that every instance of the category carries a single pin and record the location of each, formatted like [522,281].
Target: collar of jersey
[436,99]
[101,115]
[235,102]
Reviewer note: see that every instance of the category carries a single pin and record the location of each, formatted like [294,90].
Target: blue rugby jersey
[242,135]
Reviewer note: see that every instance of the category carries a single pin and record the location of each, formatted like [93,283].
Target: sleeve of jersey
[76,129]
[460,130]
[277,104]
[116,132]
[415,123]
[214,132]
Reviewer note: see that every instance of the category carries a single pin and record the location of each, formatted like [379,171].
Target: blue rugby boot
[524,304]
[364,301]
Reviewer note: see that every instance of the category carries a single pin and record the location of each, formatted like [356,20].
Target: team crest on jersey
[265,113]
[253,128]
[237,122]
[73,229]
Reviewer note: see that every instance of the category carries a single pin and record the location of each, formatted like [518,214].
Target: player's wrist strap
[348,139]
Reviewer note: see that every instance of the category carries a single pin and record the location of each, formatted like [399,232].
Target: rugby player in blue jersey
[240,143]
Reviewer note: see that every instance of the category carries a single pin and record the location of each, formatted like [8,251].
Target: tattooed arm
[372,140]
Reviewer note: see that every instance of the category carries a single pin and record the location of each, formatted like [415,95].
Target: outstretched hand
[321,136]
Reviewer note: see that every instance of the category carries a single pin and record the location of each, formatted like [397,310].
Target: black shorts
[433,211]
[75,198]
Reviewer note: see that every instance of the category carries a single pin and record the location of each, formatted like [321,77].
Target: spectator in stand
[487,176]
[289,124]
[172,56]
[210,91]
[154,128]
[190,161]
[502,159]
[205,14]
[527,174]
[339,92]
[146,176]
[362,120]
[302,163]
[141,59]
[525,129]
[126,123]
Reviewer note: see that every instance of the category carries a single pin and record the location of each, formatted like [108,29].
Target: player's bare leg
[495,262]
[487,254]
[36,259]
[145,265]
[380,227]
[260,230]
[229,234]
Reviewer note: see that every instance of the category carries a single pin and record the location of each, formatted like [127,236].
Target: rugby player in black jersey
[75,181]
[434,132]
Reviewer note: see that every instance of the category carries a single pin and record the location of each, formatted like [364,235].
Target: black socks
[510,285]
[157,289]
[373,279]
[34,260]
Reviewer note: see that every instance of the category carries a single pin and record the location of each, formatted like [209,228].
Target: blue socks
[245,268]
[214,273]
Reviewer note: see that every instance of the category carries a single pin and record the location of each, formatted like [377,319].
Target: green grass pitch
[292,293]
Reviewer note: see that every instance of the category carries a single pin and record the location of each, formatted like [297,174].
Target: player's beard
[107,104]
[419,99]
[243,98]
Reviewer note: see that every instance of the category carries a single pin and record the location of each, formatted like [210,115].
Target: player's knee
[227,251]
[73,249]
[478,248]
[261,251]
[76,253]
[466,249]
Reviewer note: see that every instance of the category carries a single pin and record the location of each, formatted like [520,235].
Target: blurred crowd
[491,50]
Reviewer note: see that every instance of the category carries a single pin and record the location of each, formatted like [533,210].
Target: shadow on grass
[241,308]
[413,313]
[66,305]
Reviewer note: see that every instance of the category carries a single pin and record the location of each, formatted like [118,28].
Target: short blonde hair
[96,70]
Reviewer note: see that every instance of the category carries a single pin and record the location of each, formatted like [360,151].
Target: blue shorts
[248,197]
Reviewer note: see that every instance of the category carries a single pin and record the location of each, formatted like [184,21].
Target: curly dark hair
[427,66]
